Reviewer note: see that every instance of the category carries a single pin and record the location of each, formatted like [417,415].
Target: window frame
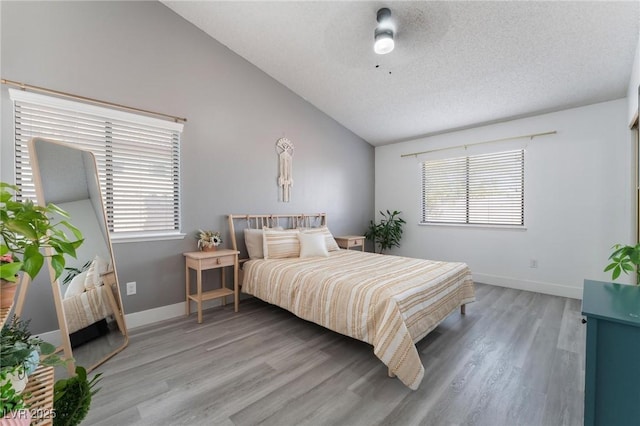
[105,114]
[467,199]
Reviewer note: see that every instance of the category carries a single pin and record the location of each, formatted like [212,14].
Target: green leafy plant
[18,348]
[73,272]
[25,228]
[72,398]
[624,259]
[10,400]
[388,232]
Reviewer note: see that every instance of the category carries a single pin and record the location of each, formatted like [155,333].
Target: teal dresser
[612,371]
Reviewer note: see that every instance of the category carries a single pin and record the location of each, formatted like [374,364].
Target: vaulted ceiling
[455,65]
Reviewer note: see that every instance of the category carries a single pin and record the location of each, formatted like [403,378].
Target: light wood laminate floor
[515,358]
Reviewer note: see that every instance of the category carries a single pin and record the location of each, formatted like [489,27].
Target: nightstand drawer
[356,242]
[219,261]
[348,241]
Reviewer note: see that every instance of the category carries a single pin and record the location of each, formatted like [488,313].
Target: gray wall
[142,54]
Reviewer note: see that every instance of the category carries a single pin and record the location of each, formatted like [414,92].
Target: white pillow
[313,245]
[98,267]
[330,241]
[76,286]
[280,244]
[253,240]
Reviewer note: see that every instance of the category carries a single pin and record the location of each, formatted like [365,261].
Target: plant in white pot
[21,353]
[14,410]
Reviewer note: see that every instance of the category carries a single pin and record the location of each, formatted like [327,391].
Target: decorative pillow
[253,241]
[76,286]
[280,244]
[313,245]
[98,267]
[330,241]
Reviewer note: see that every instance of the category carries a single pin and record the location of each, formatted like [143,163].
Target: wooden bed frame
[291,221]
[258,221]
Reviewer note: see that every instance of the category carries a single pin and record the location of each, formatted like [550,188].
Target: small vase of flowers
[208,240]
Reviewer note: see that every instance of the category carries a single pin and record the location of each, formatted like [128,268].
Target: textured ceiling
[455,65]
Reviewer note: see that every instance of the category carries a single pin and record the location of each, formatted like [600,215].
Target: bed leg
[463,309]
[390,373]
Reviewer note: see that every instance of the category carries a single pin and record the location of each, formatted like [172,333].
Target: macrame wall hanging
[284,147]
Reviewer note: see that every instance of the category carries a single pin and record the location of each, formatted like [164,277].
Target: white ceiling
[455,65]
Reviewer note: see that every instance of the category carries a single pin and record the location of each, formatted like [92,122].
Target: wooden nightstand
[202,261]
[348,241]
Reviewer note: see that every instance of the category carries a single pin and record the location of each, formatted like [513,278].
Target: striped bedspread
[86,308]
[390,302]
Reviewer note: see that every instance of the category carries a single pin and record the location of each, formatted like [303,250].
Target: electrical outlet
[131,288]
[533,263]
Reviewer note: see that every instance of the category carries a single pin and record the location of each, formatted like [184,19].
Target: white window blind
[485,189]
[138,158]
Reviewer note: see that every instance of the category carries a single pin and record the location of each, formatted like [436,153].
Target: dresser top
[614,302]
[209,254]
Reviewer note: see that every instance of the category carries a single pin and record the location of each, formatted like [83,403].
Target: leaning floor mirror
[87,295]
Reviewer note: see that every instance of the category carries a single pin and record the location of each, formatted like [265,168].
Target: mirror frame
[55,283]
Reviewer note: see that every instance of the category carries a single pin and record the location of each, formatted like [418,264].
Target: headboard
[258,221]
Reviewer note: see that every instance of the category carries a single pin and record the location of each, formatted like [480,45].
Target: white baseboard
[142,318]
[536,286]
[150,316]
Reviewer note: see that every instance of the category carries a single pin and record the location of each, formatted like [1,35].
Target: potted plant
[208,240]
[21,353]
[13,408]
[624,259]
[72,398]
[388,232]
[7,287]
[73,272]
[25,228]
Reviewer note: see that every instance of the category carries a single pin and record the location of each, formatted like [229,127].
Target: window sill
[464,225]
[141,237]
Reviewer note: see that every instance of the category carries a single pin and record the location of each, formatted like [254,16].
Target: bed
[390,302]
[87,308]
[84,306]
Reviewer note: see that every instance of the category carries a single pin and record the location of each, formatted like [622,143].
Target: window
[483,189]
[138,159]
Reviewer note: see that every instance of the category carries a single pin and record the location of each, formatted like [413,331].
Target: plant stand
[40,385]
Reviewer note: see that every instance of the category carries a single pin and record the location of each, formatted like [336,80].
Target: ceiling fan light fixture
[383,35]
[383,42]
[383,15]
